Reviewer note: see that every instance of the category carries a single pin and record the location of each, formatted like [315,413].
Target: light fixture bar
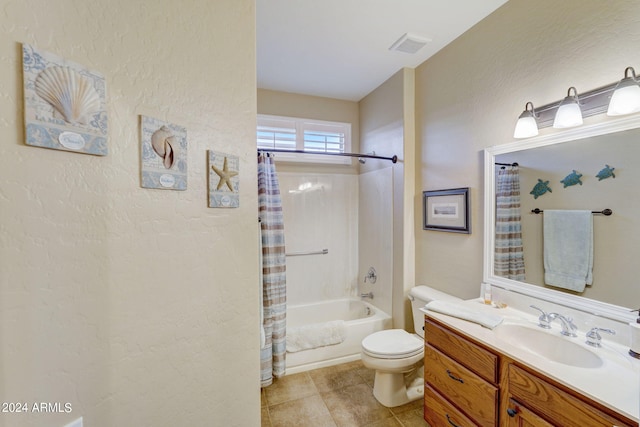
[594,102]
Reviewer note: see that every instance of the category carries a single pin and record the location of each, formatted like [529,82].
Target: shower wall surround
[320,212]
[375,234]
[350,215]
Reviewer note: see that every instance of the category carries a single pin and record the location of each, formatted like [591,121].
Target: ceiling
[340,48]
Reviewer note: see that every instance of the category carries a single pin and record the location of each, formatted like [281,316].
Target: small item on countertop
[487,293]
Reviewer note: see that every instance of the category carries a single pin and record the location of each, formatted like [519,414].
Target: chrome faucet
[367,295]
[594,338]
[568,327]
[544,319]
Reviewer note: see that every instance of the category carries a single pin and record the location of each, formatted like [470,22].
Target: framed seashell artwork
[224,180]
[163,154]
[64,104]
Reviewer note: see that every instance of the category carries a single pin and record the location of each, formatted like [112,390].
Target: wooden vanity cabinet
[468,384]
[533,397]
[461,380]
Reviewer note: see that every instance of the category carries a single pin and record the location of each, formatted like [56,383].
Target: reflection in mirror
[609,179]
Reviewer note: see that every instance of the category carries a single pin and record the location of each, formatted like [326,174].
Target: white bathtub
[361,319]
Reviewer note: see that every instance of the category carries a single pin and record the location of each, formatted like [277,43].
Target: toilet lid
[392,344]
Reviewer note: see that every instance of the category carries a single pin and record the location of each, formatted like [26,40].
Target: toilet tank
[419,297]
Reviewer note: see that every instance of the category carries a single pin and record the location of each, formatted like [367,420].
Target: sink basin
[545,344]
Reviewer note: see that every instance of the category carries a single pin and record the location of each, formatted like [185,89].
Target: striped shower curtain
[509,256]
[274,302]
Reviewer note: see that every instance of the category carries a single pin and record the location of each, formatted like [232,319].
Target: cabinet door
[438,412]
[519,416]
[474,396]
[562,407]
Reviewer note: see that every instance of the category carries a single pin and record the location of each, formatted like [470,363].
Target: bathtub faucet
[367,295]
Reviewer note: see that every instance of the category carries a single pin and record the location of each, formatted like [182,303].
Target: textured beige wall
[138,307]
[470,94]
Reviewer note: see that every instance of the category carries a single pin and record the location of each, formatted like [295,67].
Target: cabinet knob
[512,412]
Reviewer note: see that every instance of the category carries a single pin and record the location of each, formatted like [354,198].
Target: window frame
[300,125]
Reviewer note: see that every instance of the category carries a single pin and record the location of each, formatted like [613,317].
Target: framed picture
[446,210]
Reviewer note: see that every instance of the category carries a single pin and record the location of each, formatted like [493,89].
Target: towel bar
[320,252]
[605,212]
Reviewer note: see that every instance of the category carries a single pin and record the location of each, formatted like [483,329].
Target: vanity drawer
[477,398]
[558,406]
[474,357]
[438,412]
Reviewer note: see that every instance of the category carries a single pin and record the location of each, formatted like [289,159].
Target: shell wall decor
[163,154]
[64,104]
[224,180]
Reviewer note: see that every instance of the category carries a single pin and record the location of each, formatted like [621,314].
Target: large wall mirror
[616,238]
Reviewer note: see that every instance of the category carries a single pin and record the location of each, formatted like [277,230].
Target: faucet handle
[544,319]
[594,338]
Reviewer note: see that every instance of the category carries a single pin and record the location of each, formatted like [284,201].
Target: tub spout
[367,295]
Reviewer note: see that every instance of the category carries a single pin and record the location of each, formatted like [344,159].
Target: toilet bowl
[396,355]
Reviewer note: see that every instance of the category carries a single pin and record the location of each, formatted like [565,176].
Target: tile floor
[337,396]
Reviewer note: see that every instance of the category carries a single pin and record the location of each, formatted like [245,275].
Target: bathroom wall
[469,95]
[387,127]
[137,307]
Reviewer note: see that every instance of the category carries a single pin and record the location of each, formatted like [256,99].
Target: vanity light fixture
[626,95]
[569,113]
[615,99]
[527,126]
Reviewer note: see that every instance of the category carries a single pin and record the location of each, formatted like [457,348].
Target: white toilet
[396,354]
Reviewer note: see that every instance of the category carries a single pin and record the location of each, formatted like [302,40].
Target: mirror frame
[600,308]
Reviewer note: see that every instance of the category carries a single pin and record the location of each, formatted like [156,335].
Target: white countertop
[615,384]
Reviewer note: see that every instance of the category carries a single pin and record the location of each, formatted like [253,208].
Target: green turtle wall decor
[572,179]
[540,188]
[606,172]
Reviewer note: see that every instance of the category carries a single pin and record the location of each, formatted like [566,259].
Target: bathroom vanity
[519,374]
[475,376]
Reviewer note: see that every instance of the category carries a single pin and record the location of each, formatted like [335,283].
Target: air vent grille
[410,43]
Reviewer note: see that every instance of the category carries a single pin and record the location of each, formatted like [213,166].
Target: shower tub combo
[330,332]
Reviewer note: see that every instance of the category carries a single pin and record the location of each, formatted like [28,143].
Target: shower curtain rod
[393,159]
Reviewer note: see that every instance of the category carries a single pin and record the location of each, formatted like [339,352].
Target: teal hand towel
[568,249]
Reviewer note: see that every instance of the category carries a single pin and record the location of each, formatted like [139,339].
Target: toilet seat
[392,344]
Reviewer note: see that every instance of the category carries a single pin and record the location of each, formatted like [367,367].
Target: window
[288,133]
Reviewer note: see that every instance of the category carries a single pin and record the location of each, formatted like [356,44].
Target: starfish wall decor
[223,180]
[225,175]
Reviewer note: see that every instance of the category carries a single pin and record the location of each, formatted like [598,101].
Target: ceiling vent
[410,43]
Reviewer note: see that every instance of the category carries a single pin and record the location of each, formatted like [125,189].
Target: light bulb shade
[625,98]
[569,113]
[526,126]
